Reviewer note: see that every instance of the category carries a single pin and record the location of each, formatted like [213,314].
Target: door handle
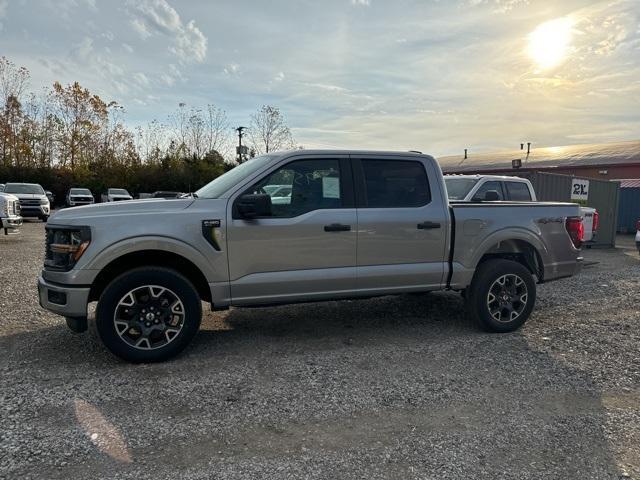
[428,225]
[337,227]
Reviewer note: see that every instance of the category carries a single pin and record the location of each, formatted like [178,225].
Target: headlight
[4,209]
[44,201]
[65,246]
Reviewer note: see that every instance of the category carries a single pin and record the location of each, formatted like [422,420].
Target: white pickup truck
[116,195]
[467,188]
[10,219]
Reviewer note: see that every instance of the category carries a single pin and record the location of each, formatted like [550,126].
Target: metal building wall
[629,211]
[603,196]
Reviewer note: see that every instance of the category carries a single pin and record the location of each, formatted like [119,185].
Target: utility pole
[240,152]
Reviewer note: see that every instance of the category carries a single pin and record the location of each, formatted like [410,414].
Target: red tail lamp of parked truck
[576,230]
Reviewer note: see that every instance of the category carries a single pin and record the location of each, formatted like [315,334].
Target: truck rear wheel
[501,296]
[148,314]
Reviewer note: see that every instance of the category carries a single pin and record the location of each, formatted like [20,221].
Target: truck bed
[483,227]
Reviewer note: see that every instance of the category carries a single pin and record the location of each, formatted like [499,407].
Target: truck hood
[132,207]
[8,196]
[28,196]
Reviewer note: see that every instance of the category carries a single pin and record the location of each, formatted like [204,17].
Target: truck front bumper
[63,299]
[34,210]
[10,222]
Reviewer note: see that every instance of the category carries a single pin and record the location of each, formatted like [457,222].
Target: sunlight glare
[549,42]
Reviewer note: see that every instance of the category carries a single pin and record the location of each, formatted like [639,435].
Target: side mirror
[491,196]
[254,205]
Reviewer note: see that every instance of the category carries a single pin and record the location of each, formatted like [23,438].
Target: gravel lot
[396,387]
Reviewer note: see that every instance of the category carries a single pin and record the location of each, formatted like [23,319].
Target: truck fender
[136,244]
[510,234]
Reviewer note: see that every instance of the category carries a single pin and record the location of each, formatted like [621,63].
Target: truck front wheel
[148,314]
[501,296]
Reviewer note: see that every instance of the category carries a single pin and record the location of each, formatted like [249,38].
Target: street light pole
[240,130]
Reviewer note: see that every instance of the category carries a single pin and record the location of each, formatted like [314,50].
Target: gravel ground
[395,387]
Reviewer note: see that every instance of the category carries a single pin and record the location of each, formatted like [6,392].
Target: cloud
[4,4]
[141,79]
[364,3]
[231,69]
[500,6]
[157,17]
[83,50]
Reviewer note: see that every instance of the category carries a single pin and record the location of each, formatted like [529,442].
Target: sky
[432,75]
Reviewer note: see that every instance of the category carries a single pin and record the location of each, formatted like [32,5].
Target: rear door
[307,248]
[402,224]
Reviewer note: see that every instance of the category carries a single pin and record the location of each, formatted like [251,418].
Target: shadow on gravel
[393,387]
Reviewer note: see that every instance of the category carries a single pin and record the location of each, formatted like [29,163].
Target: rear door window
[395,184]
[518,191]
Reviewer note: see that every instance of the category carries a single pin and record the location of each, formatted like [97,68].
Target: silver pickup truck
[355,224]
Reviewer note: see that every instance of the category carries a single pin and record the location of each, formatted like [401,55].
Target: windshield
[79,191]
[24,188]
[459,188]
[118,191]
[224,182]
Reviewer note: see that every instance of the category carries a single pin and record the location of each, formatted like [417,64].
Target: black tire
[487,279]
[44,218]
[137,280]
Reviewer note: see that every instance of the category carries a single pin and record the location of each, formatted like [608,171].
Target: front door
[402,225]
[306,249]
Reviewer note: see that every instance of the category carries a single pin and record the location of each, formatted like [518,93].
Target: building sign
[580,190]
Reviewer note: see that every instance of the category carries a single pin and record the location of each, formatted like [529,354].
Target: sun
[549,42]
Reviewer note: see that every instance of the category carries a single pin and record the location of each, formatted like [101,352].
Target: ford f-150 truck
[10,218]
[33,199]
[358,224]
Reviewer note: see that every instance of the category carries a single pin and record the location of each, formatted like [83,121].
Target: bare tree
[268,130]
[151,141]
[13,80]
[179,122]
[217,130]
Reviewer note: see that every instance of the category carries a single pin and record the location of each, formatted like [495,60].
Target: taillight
[575,228]
[596,221]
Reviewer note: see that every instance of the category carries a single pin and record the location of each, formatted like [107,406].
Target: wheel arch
[520,250]
[520,245]
[151,257]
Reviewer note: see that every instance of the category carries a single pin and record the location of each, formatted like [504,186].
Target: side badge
[209,232]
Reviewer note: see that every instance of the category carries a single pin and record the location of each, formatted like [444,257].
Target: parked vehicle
[280,194]
[10,219]
[1,187]
[359,224]
[50,196]
[164,194]
[33,200]
[116,195]
[476,187]
[77,197]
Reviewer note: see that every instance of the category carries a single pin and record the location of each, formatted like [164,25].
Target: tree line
[67,136]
